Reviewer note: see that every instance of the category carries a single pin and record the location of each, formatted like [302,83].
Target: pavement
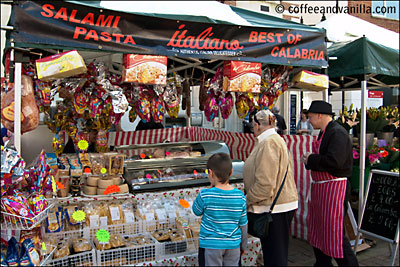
[379,254]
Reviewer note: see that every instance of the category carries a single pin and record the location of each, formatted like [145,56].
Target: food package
[115,214]
[61,65]
[311,80]
[62,251]
[81,245]
[114,163]
[146,69]
[240,76]
[29,108]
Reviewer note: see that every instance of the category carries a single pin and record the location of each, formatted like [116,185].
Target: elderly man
[330,163]
[269,166]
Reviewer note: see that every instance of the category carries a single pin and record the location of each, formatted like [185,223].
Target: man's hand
[304,158]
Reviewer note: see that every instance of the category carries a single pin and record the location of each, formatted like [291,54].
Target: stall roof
[199,11]
[109,26]
[364,57]
[345,28]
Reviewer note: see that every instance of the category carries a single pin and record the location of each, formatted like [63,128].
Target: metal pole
[362,137]
[17,107]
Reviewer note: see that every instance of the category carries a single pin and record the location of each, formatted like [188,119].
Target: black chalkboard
[382,205]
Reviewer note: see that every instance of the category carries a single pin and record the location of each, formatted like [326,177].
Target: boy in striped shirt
[223,231]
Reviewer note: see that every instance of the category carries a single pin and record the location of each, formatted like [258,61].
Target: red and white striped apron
[326,210]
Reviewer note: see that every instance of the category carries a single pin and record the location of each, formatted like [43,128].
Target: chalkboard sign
[382,204]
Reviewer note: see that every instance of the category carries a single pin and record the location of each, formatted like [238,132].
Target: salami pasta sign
[63,24]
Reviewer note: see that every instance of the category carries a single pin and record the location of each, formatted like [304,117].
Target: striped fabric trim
[240,146]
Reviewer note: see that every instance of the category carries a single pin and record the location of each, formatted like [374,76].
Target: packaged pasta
[54,221]
[92,215]
[115,214]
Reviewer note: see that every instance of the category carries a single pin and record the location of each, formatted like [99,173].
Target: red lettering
[118,37]
[105,37]
[304,53]
[291,38]
[47,11]
[215,41]
[102,22]
[253,37]
[262,38]
[271,37]
[171,41]
[195,41]
[279,35]
[180,37]
[274,51]
[321,55]
[288,54]
[297,53]
[116,21]
[298,38]
[129,39]
[189,41]
[282,53]
[62,14]
[72,17]
[311,53]
[92,34]
[89,18]
[221,45]
[78,31]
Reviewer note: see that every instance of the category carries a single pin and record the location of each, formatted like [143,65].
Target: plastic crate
[128,255]
[177,248]
[15,222]
[87,258]
[86,232]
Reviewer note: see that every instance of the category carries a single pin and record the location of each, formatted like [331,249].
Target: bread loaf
[29,108]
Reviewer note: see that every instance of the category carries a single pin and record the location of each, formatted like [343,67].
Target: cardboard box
[240,76]
[62,65]
[145,69]
[311,80]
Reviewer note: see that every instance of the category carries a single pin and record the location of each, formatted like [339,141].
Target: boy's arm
[198,205]
[243,226]
[243,243]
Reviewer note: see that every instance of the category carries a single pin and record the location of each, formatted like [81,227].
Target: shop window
[386,9]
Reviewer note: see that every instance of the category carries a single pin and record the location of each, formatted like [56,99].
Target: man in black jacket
[330,162]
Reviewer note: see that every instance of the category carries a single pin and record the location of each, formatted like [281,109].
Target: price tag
[172,216]
[103,170]
[115,216]
[94,221]
[60,185]
[103,221]
[150,217]
[103,236]
[184,203]
[79,215]
[44,246]
[83,145]
[161,215]
[112,189]
[129,217]
[206,171]
[53,185]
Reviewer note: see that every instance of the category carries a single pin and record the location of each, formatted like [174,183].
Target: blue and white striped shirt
[224,211]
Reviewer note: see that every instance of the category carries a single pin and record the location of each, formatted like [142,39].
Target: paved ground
[301,254]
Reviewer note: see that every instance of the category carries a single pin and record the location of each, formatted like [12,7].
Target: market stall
[362,65]
[83,201]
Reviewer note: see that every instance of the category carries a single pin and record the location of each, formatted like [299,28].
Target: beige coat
[263,174]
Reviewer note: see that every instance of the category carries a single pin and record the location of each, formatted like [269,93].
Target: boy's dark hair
[221,165]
